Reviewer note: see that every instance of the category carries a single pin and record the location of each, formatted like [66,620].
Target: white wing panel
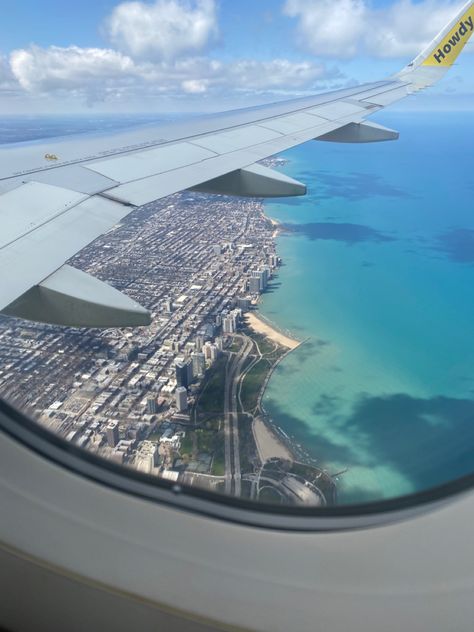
[292,123]
[29,206]
[235,139]
[39,253]
[150,162]
[387,97]
[337,110]
[74,177]
[148,189]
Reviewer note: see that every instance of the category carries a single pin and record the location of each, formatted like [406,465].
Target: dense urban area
[182,398]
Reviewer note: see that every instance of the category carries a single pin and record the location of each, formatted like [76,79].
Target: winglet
[438,57]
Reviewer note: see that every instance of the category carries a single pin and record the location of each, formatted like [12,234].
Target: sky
[165,56]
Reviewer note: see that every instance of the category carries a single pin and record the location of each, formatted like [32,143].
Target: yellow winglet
[448,49]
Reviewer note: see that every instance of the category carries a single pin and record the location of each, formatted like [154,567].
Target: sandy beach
[268,443]
[260,327]
[276,226]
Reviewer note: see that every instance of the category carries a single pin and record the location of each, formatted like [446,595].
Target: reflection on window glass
[315,351]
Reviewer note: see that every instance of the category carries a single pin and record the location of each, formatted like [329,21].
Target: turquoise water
[379,274]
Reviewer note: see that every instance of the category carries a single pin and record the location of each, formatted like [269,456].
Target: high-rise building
[184,373]
[229,325]
[243,304]
[219,343]
[214,353]
[260,277]
[181,399]
[199,364]
[112,433]
[274,261]
[199,343]
[254,285]
[151,406]
[147,457]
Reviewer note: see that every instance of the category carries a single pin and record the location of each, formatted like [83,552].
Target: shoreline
[269,444]
[259,326]
[276,226]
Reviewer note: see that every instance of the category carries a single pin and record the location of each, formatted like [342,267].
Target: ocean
[379,274]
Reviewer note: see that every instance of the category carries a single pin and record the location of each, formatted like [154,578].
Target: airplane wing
[56,197]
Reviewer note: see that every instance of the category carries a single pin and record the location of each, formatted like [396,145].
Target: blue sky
[203,55]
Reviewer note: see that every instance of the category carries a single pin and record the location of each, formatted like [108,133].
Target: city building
[184,373]
[254,285]
[229,324]
[199,343]
[147,457]
[151,406]
[181,399]
[112,433]
[244,303]
[274,261]
[199,364]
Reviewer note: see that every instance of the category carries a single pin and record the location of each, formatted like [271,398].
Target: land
[268,444]
[266,329]
[190,260]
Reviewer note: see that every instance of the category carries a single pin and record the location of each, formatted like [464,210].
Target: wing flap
[34,256]
[147,190]
[31,205]
[254,181]
[73,298]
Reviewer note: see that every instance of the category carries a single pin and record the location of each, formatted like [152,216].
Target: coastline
[276,226]
[268,442]
[259,326]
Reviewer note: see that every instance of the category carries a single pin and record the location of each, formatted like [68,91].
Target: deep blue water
[379,274]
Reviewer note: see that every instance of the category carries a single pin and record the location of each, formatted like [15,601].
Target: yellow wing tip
[447,50]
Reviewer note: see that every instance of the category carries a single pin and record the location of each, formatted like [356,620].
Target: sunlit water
[379,274]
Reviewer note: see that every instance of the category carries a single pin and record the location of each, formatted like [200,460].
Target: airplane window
[313,352]
[302,351]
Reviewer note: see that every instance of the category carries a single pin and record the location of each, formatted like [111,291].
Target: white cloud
[48,69]
[93,74]
[405,28]
[165,29]
[329,27]
[278,73]
[195,86]
[346,28]
[7,79]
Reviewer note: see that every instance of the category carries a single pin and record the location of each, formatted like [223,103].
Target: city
[181,399]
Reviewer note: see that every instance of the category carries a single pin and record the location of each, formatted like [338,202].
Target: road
[231,424]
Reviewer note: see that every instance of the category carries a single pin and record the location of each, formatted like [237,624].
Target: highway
[231,420]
